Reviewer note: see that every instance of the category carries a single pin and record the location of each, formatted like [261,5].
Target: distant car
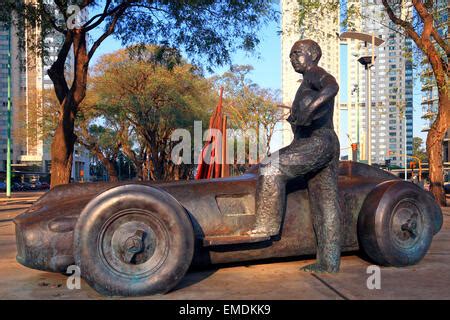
[26,186]
[44,186]
[136,238]
[2,186]
[36,185]
[447,188]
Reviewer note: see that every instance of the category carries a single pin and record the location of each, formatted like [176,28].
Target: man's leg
[299,158]
[326,217]
[270,200]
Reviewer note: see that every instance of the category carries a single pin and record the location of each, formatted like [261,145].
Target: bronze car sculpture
[138,238]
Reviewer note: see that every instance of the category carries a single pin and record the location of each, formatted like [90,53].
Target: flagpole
[8,152]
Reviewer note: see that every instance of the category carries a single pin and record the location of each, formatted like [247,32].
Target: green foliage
[418,150]
[207,30]
[147,93]
[248,105]
[311,14]
[152,93]
[106,139]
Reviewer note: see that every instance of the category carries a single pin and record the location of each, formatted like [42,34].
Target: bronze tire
[396,224]
[133,240]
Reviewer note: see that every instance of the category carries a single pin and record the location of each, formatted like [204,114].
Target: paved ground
[277,280]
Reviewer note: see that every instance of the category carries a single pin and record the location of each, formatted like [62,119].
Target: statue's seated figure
[313,154]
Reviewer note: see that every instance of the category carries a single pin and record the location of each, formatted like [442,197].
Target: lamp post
[8,128]
[368,62]
[358,145]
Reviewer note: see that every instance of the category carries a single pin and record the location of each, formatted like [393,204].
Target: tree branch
[61,8]
[56,71]
[108,32]
[405,24]
[102,16]
[429,23]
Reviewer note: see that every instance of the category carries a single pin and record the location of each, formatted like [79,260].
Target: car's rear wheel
[396,225]
[133,240]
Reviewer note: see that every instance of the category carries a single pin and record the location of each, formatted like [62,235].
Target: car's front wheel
[396,224]
[133,240]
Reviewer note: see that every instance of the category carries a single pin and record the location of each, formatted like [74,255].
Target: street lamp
[356,89]
[9,144]
[368,62]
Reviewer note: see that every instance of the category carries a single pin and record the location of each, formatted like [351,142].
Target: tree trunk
[435,139]
[62,147]
[109,165]
[112,173]
[63,143]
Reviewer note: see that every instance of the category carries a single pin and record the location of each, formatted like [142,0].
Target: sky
[267,69]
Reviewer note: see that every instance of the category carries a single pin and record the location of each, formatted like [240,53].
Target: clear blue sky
[267,67]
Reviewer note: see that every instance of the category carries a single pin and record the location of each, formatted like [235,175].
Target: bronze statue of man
[313,154]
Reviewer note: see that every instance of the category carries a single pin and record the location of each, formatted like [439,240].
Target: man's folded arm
[329,90]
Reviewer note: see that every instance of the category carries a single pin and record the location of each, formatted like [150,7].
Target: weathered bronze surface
[313,155]
[45,231]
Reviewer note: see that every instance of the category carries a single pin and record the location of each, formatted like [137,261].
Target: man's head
[304,54]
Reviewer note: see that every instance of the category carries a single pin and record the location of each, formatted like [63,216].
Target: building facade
[391,88]
[391,82]
[30,151]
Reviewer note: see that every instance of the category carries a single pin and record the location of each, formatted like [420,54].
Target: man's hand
[291,119]
[305,118]
[298,119]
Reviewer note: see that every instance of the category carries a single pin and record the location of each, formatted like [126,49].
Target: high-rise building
[391,88]
[429,90]
[391,81]
[30,148]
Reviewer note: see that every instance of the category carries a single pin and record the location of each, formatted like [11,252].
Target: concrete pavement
[430,279]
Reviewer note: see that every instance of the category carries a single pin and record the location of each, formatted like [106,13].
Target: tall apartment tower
[391,83]
[30,149]
[391,88]
[429,91]
[9,47]
[329,43]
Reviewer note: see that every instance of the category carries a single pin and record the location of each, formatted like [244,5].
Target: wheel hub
[133,246]
[134,242]
[406,224]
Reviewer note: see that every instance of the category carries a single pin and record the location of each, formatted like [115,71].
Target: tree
[417,21]
[206,28]
[418,151]
[102,142]
[150,95]
[437,50]
[248,105]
